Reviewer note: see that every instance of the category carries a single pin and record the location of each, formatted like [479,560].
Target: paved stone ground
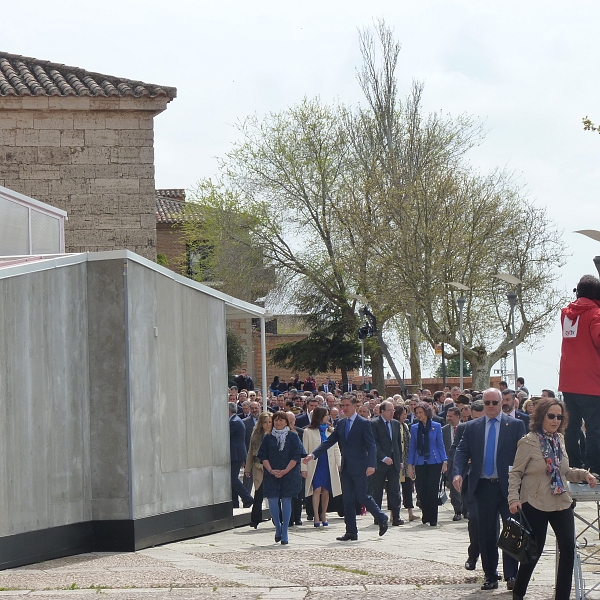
[412,561]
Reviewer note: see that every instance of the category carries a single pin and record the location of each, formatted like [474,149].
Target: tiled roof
[25,76]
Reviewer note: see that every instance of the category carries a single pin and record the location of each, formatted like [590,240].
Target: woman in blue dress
[322,476]
[280,453]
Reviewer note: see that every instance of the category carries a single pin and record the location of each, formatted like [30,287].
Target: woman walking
[321,475]
[537,485]
[406,483]
[254,467]
[280,453]
[426,461]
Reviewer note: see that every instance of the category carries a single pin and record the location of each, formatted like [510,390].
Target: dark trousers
[296,516]
[407,492]
[491,502]
[427,484]
[586,407]
[354,490]
[256,515]
[237,487]
[386,476]
[563,524]
[469,507]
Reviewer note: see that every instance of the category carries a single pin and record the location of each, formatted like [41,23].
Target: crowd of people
[500,451]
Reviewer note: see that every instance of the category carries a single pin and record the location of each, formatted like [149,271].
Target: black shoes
[489,585]
[510,583]
[277,539]
[471,565]
[397,522]
[248,504]
[347,538]
[255,525]
[457,517]
[383,527]
[283,543]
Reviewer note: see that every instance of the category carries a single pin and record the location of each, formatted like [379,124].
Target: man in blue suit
[238,453]
[490,443]
[354,436]
[509,407]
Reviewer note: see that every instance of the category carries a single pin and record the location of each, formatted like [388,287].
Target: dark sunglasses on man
[494,402]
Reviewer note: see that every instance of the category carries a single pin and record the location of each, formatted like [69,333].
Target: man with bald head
[490,443]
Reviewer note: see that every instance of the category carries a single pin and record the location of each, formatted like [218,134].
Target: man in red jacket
[580,372]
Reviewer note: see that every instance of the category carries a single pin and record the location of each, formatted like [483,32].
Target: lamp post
[461,304]
[512,300]
[594,235]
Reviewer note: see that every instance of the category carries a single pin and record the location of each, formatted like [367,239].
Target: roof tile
[25,76]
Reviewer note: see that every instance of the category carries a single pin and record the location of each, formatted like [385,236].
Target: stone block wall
[92,157]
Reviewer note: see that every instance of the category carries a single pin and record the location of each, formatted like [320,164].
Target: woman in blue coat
[427,460]
[280,453]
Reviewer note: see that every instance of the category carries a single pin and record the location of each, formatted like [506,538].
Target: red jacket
[580,357]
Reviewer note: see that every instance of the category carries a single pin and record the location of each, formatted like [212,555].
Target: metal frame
[40,207]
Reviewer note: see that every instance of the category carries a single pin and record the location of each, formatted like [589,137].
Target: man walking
[237,447]
[448,434]
[354,436]
[490,443]
[386,431]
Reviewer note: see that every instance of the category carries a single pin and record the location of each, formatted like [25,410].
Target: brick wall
[92,157]
[170,242]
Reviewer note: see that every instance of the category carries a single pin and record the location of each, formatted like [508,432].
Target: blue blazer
[471,446]
[237,439]
[358,452]
[437,450]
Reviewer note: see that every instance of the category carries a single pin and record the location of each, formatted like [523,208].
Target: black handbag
[517,540]
[442,496]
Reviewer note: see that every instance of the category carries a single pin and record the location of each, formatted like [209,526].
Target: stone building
[83,142]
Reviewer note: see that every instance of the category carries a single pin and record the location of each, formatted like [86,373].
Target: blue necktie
[389,424]
[490,449]
[348,423]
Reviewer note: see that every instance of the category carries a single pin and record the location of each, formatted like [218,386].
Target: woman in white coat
[322,475]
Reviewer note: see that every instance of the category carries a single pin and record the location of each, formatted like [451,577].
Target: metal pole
[512,300]
[461,304]
[263,355]
[362,361]
[444,367]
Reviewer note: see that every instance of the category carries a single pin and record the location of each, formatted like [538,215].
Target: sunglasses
[552,416]
[494,402]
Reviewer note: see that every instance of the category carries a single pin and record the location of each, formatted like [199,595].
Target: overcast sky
[528,70]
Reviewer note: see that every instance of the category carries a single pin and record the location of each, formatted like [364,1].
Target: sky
[527,70]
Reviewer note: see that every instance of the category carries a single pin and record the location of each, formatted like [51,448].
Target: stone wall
[92,157]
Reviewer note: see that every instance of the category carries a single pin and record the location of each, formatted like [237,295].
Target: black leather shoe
[283,543]
[347,538]
[489,585]
[471,565]
[248,504]
[383,527]
[510,583]
[457,517]
[277,539]
[255,525]
[397,522]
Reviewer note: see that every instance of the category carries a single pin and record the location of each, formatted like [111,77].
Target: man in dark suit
[249,423]
[509,407]
[469,507]
[244,382]
[354,436]
[303,420]
[238,453]
[490,443]
[386,431]
[448,434]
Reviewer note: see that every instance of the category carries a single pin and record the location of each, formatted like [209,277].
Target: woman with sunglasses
[541,471]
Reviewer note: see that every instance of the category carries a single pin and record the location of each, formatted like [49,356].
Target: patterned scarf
[552,454]
[423,439]
[280,435]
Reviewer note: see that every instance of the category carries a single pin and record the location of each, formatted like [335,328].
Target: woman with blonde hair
[322,475]
[254,467]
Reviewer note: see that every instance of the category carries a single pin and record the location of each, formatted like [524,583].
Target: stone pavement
[411,561]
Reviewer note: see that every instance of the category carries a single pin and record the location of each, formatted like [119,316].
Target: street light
[594,235]
[461,305]
[512,300]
